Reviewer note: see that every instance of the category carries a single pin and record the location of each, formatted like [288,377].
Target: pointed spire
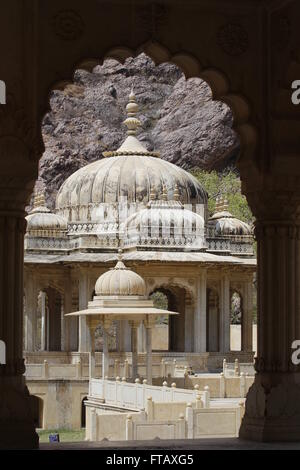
[39,203]
[39,199]
[132,108]
[152,194]
[164,196]
[221,204]
[176,194]
[120,264]
[217,206]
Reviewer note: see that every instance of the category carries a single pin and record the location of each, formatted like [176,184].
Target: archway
[160,340]
[49,319]
[175,299]
[37,409]
[212,321]
[234,48]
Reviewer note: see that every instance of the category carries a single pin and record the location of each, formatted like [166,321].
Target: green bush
[226,184]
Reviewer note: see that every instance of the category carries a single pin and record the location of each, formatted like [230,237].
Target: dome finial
[132,108]
[164,196]
[224,204]
[39,199]
[221,204]
[152,194]
[176,194]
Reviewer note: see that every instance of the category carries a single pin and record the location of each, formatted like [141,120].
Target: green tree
[226,184]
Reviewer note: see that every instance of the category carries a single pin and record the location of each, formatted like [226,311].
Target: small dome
[165,223]
[224,223]
[120,280]
[42,222]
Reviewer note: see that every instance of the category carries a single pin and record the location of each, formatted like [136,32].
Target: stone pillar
[92,361]
[74,322]
[125,336]
[44,335]
[134,361]
[273,406]
[200,314]
[16,421]
[247,314]
[148,328]
[105,355]
[30,330]
[225,314]
[141,339]
[84,337]
[67,321]
[189,328]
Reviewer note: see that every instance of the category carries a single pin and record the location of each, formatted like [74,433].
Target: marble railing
[80,369]
[48,243]
[134,396]
[232,244]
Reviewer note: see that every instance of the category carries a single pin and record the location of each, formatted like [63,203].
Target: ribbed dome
[120,280]
[133,176]
[130,172]
[226,224]
[165,223]
[42,222]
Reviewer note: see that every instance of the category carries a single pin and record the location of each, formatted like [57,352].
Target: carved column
[30,320]
[124,336]
[92,361]
[272,405]
[149,325]
[67,308]
[105,353]
[141,339]
[44,321]
[84,337]
[225,314]
[247,314]
[134,353]
[16,423]
[200,315]
[189,327]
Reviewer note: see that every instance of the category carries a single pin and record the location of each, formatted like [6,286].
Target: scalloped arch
[190,295]
[191,67]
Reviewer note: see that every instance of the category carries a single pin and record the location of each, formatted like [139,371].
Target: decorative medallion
[233,39]
[68,25]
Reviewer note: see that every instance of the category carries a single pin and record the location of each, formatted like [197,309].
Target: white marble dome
[129,173]
[224,223]
[165,223]
[120,280]
[130,176]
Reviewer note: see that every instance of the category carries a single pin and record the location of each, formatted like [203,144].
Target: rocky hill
[178,116]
